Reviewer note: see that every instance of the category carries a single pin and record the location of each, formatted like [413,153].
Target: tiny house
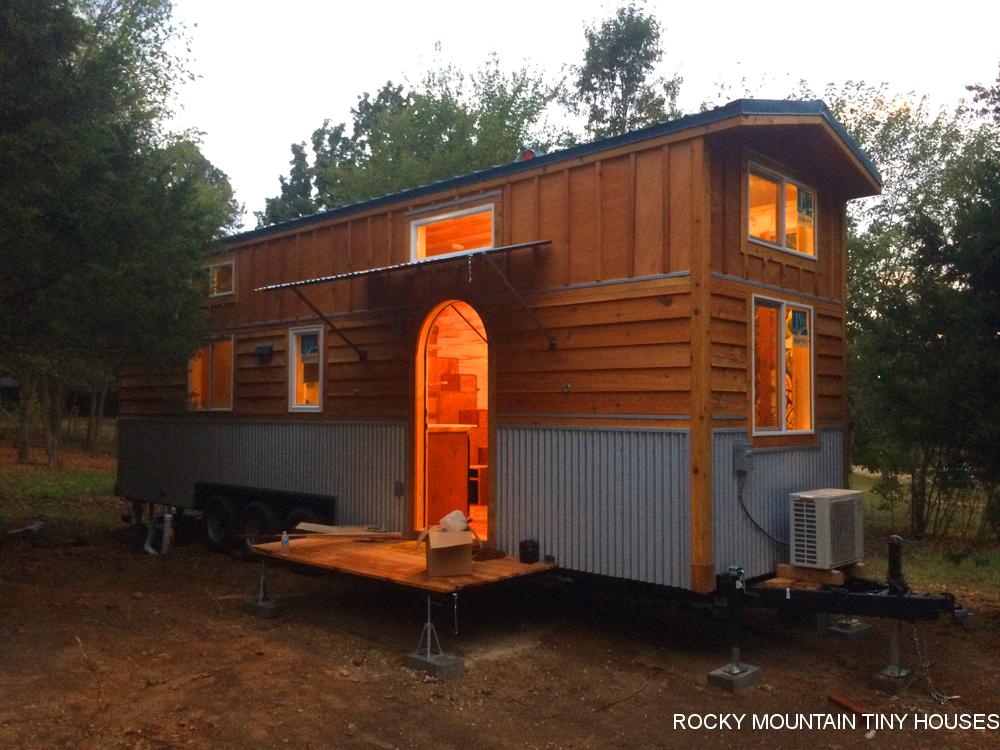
[630,351]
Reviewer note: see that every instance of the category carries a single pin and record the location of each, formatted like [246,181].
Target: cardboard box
[449,553]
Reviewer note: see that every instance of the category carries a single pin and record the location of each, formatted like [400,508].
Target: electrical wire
[740,482]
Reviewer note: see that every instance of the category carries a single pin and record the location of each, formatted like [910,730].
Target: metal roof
[421,263]
[737,108]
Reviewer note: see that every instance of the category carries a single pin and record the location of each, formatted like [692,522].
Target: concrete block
[736,683]
[441,666]
[892,684]
[267,608]
[849,630]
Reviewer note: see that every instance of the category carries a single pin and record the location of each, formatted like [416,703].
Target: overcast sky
[270,72]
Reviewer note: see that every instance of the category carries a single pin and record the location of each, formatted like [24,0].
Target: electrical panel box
[827,528]
[742,457]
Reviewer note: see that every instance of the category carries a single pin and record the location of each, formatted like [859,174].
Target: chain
[925,665]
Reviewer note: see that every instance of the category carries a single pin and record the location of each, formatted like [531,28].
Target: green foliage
[616,83]
[449,124]
[922,330]
[103,219]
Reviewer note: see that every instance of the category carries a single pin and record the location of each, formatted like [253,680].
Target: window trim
[209,267]
[481,208]
[290,368]
[782,179]
[232,374]
[781,304]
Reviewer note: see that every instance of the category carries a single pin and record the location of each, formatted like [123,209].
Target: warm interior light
[456,234]
[763,211]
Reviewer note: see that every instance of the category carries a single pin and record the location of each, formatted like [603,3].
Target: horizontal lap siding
[732,368]
[621,350]
[776,473]
[160,461]
[609,502]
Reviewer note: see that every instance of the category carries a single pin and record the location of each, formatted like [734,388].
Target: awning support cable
[362,354]
[534,316]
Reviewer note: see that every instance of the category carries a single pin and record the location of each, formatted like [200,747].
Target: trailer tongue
[892,599]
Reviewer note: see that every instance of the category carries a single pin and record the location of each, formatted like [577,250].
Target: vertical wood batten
[702,565]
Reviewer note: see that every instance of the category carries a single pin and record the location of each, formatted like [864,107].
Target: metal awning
[486,254]
[412,265]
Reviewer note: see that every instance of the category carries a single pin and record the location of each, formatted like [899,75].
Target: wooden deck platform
[399,562]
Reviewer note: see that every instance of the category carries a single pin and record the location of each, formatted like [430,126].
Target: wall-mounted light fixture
[263,353]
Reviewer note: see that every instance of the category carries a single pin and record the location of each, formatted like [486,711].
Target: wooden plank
[826,577]
[402,563]
[649,187]
[790,583]
[692,232]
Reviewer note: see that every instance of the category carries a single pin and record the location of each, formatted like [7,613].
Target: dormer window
[780,212]
[452,233]
[221,278]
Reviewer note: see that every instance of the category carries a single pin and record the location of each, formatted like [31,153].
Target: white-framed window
[221,278]
[305,369]
[783,390]
[452,233]
[210,376]
[781,212]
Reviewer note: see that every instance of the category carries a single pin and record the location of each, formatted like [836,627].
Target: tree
[988,99]
[449,124]
[296,194]
[918,332]
[616,83]
[103,216]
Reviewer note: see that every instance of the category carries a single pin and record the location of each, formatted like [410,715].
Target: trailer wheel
[301,515]
[259,520]
[220,519]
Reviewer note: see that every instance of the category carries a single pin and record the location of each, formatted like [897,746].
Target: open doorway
[452,417]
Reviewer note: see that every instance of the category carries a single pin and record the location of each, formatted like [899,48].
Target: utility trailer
[629,351]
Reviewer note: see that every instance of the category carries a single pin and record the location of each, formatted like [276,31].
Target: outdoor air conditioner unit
[827,528]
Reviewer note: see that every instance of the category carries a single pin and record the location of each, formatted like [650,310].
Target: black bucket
[528,550]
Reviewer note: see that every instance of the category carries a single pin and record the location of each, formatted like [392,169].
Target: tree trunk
[102,401]
[918,500]
[92,421]
[51,393]
[25,412]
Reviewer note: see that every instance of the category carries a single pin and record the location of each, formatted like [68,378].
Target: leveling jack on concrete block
[735,676]
[849,629]
[429,657]
[895,678]
[263,605]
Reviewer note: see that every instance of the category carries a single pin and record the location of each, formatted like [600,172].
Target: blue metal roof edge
[739,107]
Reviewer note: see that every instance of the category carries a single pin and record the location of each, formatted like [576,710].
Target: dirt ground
[104,647]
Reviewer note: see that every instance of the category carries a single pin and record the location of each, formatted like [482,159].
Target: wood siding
[742,268]
[621,348]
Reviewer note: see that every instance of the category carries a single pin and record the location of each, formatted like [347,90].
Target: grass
[68,493]
[929,565]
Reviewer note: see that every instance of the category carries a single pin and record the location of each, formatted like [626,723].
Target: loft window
[782,367]
[305,369]
[221,277]
[780,212]
[453,233]
[210,376]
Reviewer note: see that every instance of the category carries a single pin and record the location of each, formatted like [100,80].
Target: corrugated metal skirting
[611,502]
[359,463]
[776,473]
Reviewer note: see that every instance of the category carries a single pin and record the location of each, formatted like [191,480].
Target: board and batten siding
[160,460]
[776,473]
[612,502]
